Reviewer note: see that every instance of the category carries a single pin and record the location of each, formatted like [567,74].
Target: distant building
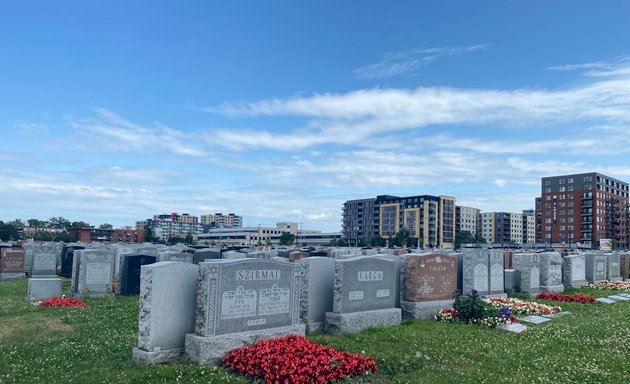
[90,235]
[166,226]
[219,220]
[507,228]
[466,219]
[583,208]
[431,219]
[266,235]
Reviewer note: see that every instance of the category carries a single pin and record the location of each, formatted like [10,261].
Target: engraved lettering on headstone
[370,275]
[256,275]
[98,273]
[239,303]
[355,295]
[274,301]
[382,293]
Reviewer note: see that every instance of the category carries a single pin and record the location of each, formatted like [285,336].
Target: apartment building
[428,218]
[164,226]
[583,208]
[466,219]
[219,220]
[507,228]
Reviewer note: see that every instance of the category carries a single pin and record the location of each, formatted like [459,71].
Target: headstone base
[338,323]
[552,288]
[423,310]
[44,288]
[12,276]
[616,279]
[575,284]
[165,356]
[313,327]
[208,350]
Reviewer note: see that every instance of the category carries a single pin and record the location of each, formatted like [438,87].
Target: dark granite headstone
[67,258]
[130,273]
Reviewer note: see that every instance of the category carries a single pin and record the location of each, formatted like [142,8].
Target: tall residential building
[466,219]
[583,208]
[429,218]
[506,227]
[165,226]
[219,220]
[529,226]
[358,221]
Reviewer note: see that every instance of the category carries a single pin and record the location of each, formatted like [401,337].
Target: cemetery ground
[93,345]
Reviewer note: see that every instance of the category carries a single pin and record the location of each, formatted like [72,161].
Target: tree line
[14,230]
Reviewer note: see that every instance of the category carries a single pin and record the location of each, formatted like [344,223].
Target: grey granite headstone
[618,298]
[316,291]
[624,295]
[44,260]
[92,272]
[613,272]
[233,255]
[512,280]
[204,254]
[364,295]
[573,271]
[496,277]
[167,310]
[595,266]
[239,301]
[529,266]
[398,261]
[551,272]
[475,271]
[176,256]
[43,288]
[603,300]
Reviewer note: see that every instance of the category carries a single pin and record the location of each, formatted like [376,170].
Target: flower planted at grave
[295,359]
[62,302]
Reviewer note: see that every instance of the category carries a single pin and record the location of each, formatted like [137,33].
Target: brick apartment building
[582,208]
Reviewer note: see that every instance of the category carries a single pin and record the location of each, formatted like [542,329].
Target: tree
[333,243]
[35,223]
[64,237]
[149,237]
[342,243]
[59,222]
[362,243]
[287,238]
[105,226]
[8,232]
[80,224]
[377,241]
[463,237]
[175,240]
[188,239]
[42,236]
[401,238]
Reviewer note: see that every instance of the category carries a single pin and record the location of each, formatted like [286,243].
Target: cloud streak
[405,62]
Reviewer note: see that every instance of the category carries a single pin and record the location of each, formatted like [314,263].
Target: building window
[570,188]
[562,189]
[547,182]
[570,180]
[547,190]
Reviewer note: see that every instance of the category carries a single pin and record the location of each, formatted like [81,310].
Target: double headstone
[317,276]
[573,271]
[551,272]
[595,266]
[482,271]
[92,272]
[529,266]
[241,301]
[364,295]
[613,268]
[429,283]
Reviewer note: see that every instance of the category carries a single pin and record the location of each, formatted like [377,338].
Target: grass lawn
[93,345]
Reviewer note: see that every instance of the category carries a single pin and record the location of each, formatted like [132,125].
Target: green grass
[93,345]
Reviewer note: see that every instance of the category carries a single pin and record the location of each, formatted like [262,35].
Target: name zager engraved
[370,275]
[249,275]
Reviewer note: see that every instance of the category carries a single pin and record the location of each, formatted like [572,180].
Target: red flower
[295,359]
[575,298]
[62,302]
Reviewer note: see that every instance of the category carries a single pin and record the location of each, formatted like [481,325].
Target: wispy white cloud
[400,63]
[110,131]
[357,117]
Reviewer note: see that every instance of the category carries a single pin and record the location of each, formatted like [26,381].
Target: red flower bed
[62,302]
[574,298]
[295,359]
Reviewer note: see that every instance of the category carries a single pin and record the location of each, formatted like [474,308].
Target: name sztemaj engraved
[370,275]
[250,275]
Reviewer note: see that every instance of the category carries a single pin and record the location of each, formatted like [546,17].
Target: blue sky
[282,110]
